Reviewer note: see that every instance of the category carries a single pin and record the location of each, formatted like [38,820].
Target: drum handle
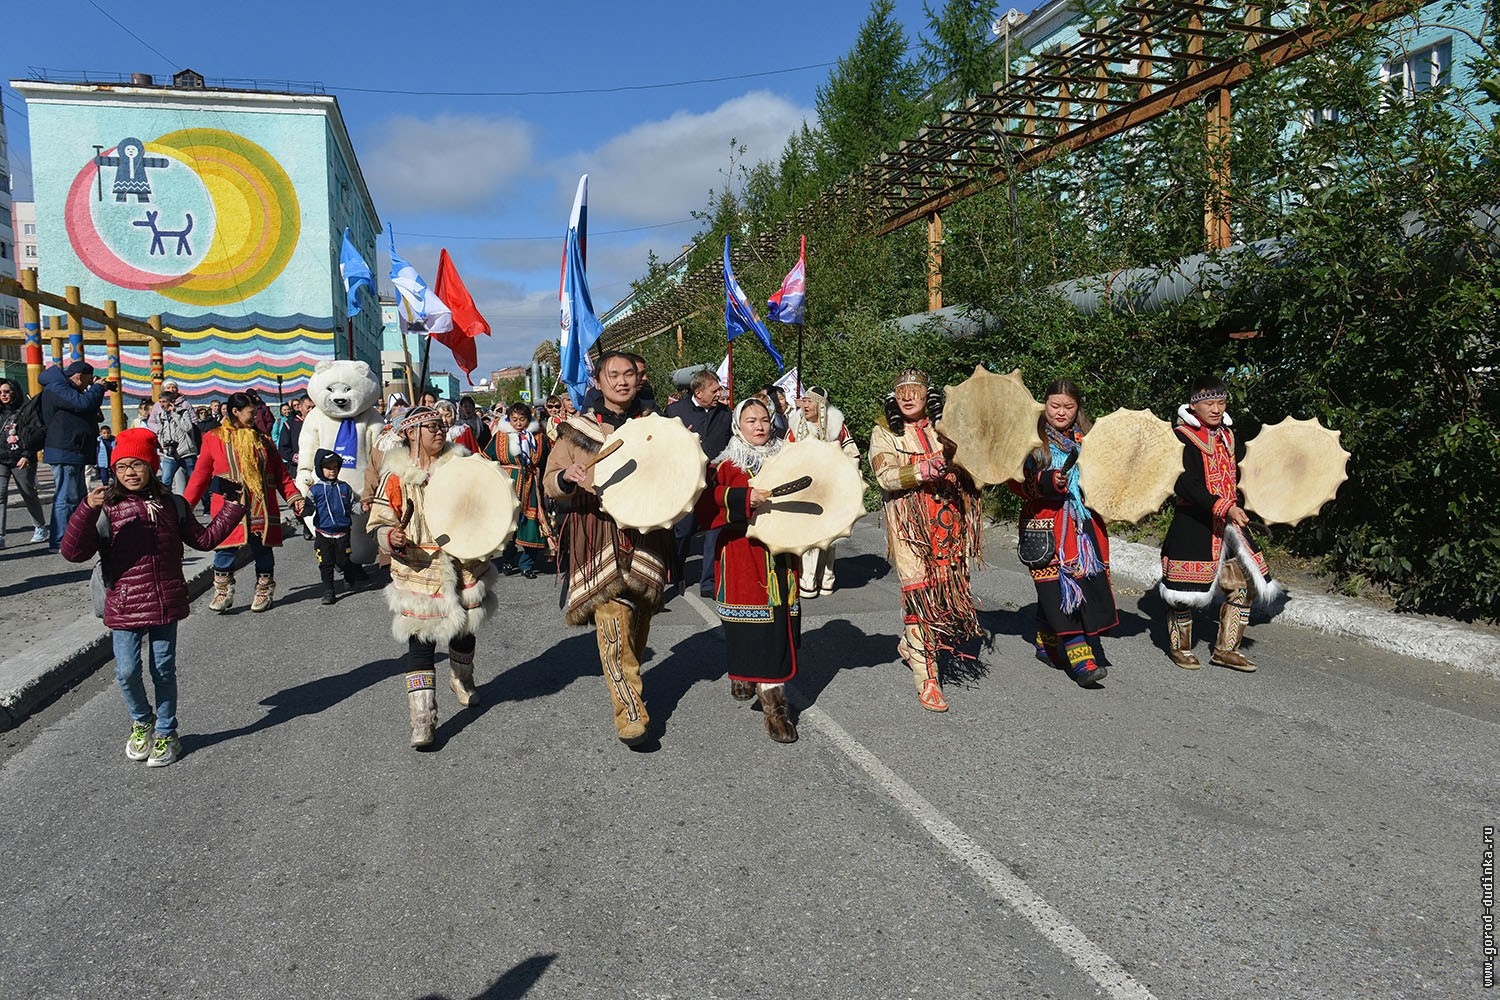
[609,450]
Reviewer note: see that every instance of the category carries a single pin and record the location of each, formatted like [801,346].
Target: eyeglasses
[434,428]
[131,465]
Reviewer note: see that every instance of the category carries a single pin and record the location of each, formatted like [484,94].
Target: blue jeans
[263,554]
[162,662]
[67,480]
[170,465]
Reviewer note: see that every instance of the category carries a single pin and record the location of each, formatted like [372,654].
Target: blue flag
[738,316]
[356,273]
[580,328]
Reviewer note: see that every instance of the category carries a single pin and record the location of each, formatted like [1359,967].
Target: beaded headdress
[912,376]
[1205,394]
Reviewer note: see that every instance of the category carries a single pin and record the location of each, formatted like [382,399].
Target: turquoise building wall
[222,211]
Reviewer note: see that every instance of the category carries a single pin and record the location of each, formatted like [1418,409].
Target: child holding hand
[138,528]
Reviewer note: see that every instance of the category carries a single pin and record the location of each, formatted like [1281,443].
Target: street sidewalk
[52,639]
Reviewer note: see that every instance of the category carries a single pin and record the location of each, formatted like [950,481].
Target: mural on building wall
[207,218]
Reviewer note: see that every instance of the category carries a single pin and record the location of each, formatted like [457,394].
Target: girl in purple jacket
[145,592]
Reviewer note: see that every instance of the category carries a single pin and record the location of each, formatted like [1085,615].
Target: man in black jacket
[706,417]
[71,412]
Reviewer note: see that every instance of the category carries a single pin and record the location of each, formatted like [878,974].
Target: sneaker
[40,535]
[165,751]
[138,746]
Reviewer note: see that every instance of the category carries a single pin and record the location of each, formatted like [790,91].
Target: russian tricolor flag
[789,304]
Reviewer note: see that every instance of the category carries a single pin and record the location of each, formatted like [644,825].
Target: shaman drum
[1292,469]
[992,421]
[470,507]
[655,475]
[816,496]
[1129,465]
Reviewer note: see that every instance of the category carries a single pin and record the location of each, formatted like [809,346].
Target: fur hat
[138,443]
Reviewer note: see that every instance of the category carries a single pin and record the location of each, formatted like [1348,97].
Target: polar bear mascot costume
[345,421]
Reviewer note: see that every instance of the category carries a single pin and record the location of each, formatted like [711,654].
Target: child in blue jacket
[333,505]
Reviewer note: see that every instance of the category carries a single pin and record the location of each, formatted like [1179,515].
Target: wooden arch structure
[1152,58]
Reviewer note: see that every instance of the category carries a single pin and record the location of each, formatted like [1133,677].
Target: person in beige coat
[433,596]
[932,520]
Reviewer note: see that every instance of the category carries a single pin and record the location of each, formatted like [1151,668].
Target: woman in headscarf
[754,591]
[241,453]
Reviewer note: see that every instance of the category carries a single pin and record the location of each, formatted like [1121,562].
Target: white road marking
[995,874]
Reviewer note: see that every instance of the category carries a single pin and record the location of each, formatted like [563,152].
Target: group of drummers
[617,565]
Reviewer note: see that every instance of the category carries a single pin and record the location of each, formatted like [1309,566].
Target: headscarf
[739,450]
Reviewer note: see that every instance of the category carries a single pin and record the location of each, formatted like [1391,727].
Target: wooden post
[112,361]
[54,331]
[1216,211]
[75,323]
[157,364]
[934,261]
[31,322]
[679,341]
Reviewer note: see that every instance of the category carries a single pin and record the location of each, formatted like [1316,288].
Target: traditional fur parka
[434,597]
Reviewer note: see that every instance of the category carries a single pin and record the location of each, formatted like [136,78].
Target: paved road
[1313,830]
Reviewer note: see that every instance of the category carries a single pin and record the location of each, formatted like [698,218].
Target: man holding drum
[615,575]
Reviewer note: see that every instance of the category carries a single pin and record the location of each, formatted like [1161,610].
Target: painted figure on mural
[130,163]
[149,222]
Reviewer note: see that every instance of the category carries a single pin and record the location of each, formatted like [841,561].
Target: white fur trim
[1265,592]
[1185,414]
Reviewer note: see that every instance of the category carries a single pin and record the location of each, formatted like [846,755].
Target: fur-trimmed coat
[434,597]
[1200,539]
[829,426]
[604,561]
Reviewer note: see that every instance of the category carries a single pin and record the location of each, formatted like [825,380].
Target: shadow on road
[857,571]
[49,580]
[836,646]
[305,699]
[547,673]
[514,984]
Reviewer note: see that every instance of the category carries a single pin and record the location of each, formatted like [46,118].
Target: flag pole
[731,374]
[411,398]
[426,360]
[802,256]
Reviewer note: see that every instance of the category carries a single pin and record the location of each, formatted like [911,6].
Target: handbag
[1037,547]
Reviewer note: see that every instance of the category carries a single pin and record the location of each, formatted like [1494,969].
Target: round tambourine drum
[992,421]
[654,477]
[816,492]
[470,507]
[1129,465]
[1292,469]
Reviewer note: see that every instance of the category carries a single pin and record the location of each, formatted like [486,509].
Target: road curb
[35,678]
[1448,643]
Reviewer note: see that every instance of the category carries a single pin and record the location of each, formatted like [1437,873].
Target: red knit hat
[138,443]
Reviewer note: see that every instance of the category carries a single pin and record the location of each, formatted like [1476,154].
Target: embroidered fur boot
[923,669]
[1180,638]
[223,592]
[265,588]
[778,714]
[1233,617]
[461,678]
[421,705]
[622,671]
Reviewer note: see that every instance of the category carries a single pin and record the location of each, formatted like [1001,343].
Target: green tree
[958,59]
[870,101]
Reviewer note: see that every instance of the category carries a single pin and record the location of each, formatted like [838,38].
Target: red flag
[467,322]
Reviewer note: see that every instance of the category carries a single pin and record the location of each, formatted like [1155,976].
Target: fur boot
[923,669]
[1233,617]
[774,707]
[421,705]
[741,690]
[265,588]
[223,592]
[461,678]
[613,624]
[1180,638]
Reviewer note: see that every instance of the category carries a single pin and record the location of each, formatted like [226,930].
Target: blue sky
[463,171]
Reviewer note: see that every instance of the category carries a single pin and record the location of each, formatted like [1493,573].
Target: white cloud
[662,170]
[450,163]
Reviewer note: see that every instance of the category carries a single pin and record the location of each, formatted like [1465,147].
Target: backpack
[31,431]
[98,587]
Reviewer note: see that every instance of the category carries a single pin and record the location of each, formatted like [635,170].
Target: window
[5,217]
[4,250]
[28,228]
[31,251]
[1421,70]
